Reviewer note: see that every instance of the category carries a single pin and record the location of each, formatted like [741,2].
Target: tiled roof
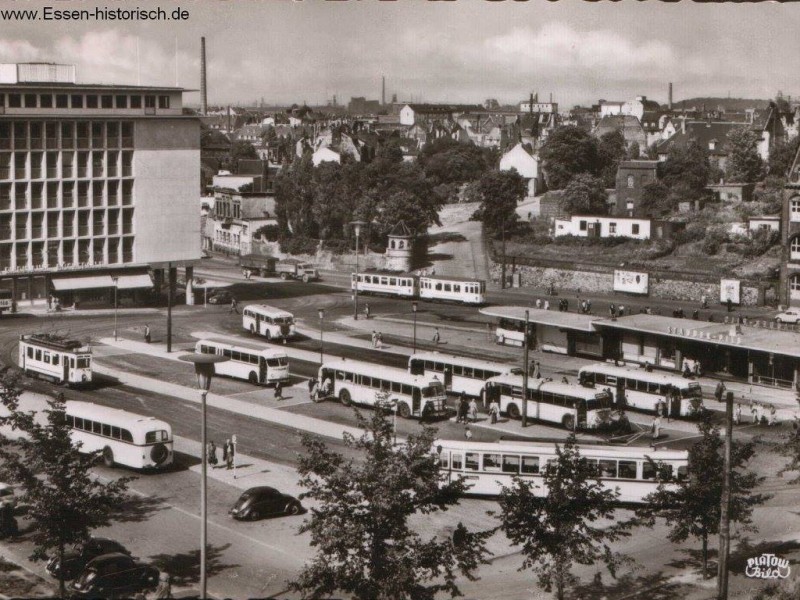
[703,132]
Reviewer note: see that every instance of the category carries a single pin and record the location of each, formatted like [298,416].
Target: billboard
[730,289]
[631,282]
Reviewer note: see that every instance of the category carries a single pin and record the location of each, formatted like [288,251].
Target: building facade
[632,177]
[790,237]
[98,184]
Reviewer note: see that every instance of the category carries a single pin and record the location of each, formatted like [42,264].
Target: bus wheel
[108,457]
[403,410]
[513,411]
[568,422]
[344,397]
[158,454]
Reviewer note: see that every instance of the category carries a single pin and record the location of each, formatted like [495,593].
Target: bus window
[236,355]
[273,362]
[456,288]
[444,459]
[417,366]
[406,389]
[126,436]
[472,461]
[340,375]
[458,370]
[96,428]
[530,464]
[348,376]
[458,461]
[607,468]
[438,367]
[516,392]
[438,287]
[469,372]
[491,462]
[107,430]
[627,469]
[510,463]
[393,281]
[115,432]
[38,354]
[447,287]
[396,387]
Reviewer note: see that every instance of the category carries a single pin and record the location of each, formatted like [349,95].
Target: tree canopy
[687,168]
[744,162]
[500,191]
[361,526]
[782,156]
[568,151]
[446,160]
[610,152]
[585,195]
[656,201]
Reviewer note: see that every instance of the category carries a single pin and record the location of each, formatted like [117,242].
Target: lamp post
[525,373]
[116,287]
[414,309]
[321,323]
[357,230]
[204,369]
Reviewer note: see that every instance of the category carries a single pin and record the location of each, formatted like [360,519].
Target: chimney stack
[670,96]
[203,89]
[383,90]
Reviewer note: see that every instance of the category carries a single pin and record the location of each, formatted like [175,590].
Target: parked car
[264,501]
[7,497]
[790,315]
[77,557]
[113,576]
[220,297]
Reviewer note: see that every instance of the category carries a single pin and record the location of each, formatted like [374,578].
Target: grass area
[16,582]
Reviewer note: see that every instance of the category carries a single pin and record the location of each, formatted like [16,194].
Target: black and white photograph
[399,300]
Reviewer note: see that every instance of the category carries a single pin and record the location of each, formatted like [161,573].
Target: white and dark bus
[487,466]
[55,359]
[458,373]
[258,365]
[368,384]
[123,438]
[643,390]
[566,404]
[268,321]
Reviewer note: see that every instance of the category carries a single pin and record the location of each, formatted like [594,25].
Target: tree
[688,167]
[500,192]
[782,156]
[585,195]
[569,150]
[744,162]
[610,152]
[65,502]
[691,505]
[559,529]
[242,150]
[446,160]
[361,528]
[655,200]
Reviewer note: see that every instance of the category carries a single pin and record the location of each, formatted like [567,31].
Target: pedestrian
[212,454]
[656,427]
[312,383]
[719,391]
[737,414]
[494,411]
[366,311]
[327,387]
[374,339]
[229,452]
[278,390]
[473,410]
[696,314]
[687,370]
[537,374]
[621,311]
[468,432]
[538,303]
[698,368]
[147,333]
[234,307]
[647,310]
[313,392]
[773,415]
[547,305]
[704,301]
[566,305]
[729,304]
[754,412]
[463,407]
[565,380]
[164,588]
[612,310]
[584,308]
[436,336]
[761,412]
[379,341]
[588,307]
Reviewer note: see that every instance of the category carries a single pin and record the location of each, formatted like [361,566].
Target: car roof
[261,489]
[107,558]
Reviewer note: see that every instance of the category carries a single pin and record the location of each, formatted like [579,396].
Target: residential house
[789,292]
[522,158]
[628,125]
[634,108]
[732,192]
[632,177]
[325,154]
[411,114]
[768,222]
[603,227]
[241,208]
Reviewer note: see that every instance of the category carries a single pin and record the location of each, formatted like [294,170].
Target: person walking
[656,428]
[379,341]
[547,304]
[565,380]
[494,411]
[164,588]
[212,454]
[473,411]
[737,414]
[754,412]
[719,391]
[538,303]
[461,412]
[621,311]
[374,339]
[229,453]
[588,307]
[147,333]
[312,383]
[537,374]
[468,432]
[278,390]
[612,310]
[773,415]
[234,307]
[436,337]
[366,311]
[704,301]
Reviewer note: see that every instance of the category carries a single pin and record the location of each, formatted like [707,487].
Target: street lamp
[414,309]
[525,373]
[357,225]
[204,369]
[321,323]
[115,279]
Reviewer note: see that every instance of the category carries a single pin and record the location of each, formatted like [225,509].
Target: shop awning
[82,283]
[133,282]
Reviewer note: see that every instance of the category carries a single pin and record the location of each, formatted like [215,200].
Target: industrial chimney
[670,96]
[203,89]
[383,90]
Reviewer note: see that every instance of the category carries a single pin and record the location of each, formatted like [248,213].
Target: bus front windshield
[280,361]
[153,437]
[433,390]
[283,321]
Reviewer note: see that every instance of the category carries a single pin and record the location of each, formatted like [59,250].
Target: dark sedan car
[265,501]
[113,576]
[222,297]
[76,558]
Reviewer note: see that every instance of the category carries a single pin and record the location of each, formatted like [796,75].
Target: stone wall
[589,282]
[325,259]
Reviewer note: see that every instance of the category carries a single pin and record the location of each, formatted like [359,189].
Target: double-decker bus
[458,373]
[641,389]
[124,438]
[368,384]
[268,321]
[55,359]
[487,466]
[571,405]
[253,363]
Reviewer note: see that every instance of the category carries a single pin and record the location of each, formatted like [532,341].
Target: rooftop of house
[704,133]
[639,164]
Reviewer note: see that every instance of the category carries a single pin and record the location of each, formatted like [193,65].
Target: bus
[258,365]
[455,289]
[268,321]
[571,405]
[487,466]
[5,301]
[56,359]
[643,390]
[459,374]
[123,438]
[356,382]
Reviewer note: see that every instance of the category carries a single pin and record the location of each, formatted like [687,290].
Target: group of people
[247,273]
[467,410]
[692,368]
[228,452]
[543,304]
[317,391]
[377,339]
[616,311]
[762,414]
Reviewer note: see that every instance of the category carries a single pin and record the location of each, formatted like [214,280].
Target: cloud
[18,51]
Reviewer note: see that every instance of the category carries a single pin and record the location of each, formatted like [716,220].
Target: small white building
[770,222]
[603,227]
[325,154]
[522,158]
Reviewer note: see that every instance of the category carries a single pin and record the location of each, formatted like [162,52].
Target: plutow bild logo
[767,566]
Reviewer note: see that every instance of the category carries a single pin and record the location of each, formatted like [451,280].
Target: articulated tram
[425,287]
[56,359]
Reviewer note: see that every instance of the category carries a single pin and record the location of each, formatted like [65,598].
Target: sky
[288,51]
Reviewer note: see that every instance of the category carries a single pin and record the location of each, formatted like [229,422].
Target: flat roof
[65,85]
[762,339]
[554,318]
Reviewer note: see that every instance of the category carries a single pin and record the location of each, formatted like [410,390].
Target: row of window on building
[66,253]
[37,134]
[51,225]
[99,101]
[65,194]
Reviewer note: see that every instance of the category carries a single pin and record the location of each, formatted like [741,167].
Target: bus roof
[268,310]
[638,373]
[380,371]
[568,389]
[115,417]
[263,349]
[591,451]
[475,363]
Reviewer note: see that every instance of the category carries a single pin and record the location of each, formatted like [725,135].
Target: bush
[609,242]
[298,244]
[271,233]
[713,241]
[694,232]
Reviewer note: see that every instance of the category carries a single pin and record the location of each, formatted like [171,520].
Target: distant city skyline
[464,51]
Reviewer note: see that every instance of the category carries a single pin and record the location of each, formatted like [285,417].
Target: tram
[426,287]
[55,359]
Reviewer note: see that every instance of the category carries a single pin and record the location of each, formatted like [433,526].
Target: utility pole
[725,522]
[525,372]
[170,290]
[503,273]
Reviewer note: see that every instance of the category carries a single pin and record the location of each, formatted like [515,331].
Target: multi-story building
[98,184]
[790,237]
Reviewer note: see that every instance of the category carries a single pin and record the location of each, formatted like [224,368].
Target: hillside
[725,104]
